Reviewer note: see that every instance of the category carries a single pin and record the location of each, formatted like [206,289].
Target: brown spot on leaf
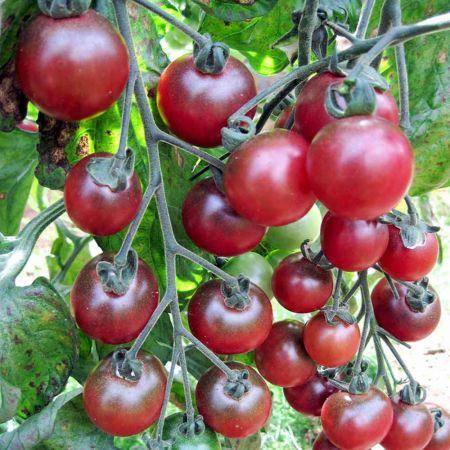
[3,195]
[17,340]
[29,352]
[29,366]
[31,384]
[442,57]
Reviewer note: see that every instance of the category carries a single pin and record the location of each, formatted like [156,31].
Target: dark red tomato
[72,68]
[226,330]
[409,264]
[29,126]
[265,178]
[441,438]
[282,358]
[352,245]
[96,209]
[322,443]
[121,407]
[230,417]
[360,167]
[398,318]
[111,318]
[301,286]
[308,398]
[411,428]
[283,117]
[357,421]
[331,345]
[214,226]
[196,106]
[311,114]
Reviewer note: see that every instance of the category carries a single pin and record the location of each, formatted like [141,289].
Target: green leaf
[38,343]
[232,11]
[17,162]
[36,428]
[9,401]
[197,362]
[252,442]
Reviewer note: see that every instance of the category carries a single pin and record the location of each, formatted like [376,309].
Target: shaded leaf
[232,10]
[9,401]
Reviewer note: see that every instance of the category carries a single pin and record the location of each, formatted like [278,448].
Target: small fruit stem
[351,292]
[337,290]
[364,19]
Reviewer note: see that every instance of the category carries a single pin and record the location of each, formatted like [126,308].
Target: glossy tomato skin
[311,114]
[309,398]
[265,178]
[214,226]
[441,438]
[353,245]
[196,106]
[412,427]
[398,318]
[409,264]
[96,209]
[301,286]
[227,330]
[230,417]
[72,68]
[357,421]
[282,359]
[322,443]
[360,167]
[111,318]
[120,407]
[331,345]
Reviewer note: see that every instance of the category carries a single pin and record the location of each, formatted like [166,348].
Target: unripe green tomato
[291,236]
[274,258]
[208,440]
[254,267]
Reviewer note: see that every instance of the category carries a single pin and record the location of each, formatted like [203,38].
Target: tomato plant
[441,436]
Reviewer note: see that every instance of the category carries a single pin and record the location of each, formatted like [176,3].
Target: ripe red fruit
[441,437]
[284,116]
[322,443]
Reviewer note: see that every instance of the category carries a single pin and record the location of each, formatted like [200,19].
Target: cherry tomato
[254,267]
[214,226]
[196,105]
[352,245]
[397,317]
[29,126]
[106,316]
[226,330]
[441,437]
[311,114]
[121,407]
[96,209]
[301,286]
[72,68]
[291,236]
[409,264]
[331,345]
[322,443]
[411,428]
[207,440]
[357,421]
[282,358]
[230,417]
[283,117]
[360,167]
[265,178]
[308,398]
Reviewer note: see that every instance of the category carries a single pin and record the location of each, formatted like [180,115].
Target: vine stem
[337,290]
[398,358]
[351,292]
[364,18]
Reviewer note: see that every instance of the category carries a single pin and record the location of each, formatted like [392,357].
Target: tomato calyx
[413,393]
[341,312]
[192,428]
[239,386]
[360,382]
[419,296]
[240,129]
[236,294]
[210,57]
[125,367]
[438,420]
[60,9]
[117,276]
[319,259]
[114,172]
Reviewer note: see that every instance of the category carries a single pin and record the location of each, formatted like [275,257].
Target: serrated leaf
[9,400]
[233,11]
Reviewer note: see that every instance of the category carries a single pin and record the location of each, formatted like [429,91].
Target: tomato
[121,407]
[360,167]
[397,317]
[196,105]
[265,178]
[331,345]
[96,209]
[409,264]
[357,421]
[106,316]
[301,286]
[291,236]
[72,68]
[282,358]
[207,440]
[226,415]
[29,126]
[352,245]
[283,117]
[308,398]
[255,268]
[411,428]
[214,226]
[226,330]
[311,114]
[322,443]
[441,438]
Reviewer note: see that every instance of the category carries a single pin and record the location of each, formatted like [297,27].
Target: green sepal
[60,9]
